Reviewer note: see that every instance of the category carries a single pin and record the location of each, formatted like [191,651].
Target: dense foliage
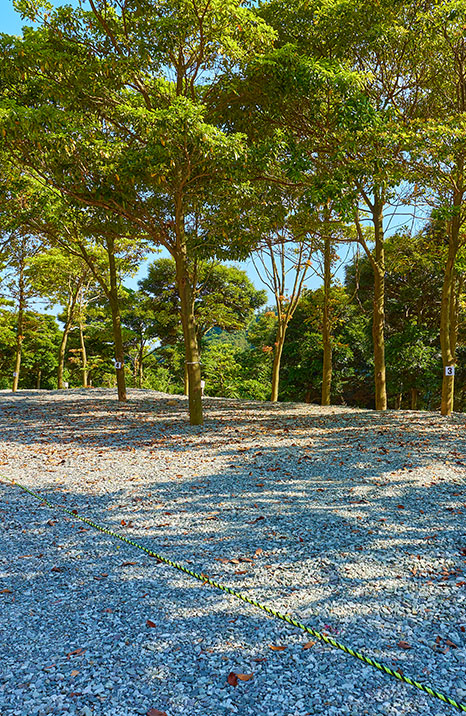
[221,130]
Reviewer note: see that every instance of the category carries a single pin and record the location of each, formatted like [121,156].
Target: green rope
[207,580]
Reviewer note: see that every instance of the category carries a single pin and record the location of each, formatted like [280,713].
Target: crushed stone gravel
[352,521]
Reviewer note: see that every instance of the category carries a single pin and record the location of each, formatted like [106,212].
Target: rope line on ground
[205,579]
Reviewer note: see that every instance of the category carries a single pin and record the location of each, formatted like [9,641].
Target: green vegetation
[221,130]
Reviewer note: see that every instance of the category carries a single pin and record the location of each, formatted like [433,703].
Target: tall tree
[438,133]
[129,83]
[61,279]
[17,251]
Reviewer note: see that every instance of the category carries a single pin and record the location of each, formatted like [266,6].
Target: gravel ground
[350,520]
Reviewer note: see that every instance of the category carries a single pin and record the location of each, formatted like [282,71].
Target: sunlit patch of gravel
[350,520]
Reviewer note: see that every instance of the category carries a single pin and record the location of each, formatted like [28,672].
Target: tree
[223,298]
[436,151]
[346,140]
[61,279]
[17,251]
[136,142]
[282,261]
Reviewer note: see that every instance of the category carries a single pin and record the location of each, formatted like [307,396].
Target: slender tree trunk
[19,327]
[378,325]
[61,353]
[39,376]
[447,332]
[140,364]
[326,331]
[116,323]
[83,354]
[414,398]
[277,358]
[398,399]
[186,379]
[192,356]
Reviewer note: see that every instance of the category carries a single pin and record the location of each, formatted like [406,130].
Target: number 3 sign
[449,370]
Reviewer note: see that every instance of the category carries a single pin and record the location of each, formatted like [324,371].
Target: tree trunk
[116,323]
[192,359]
[61,354]
[414,397]
[186,380]
[19,327]
[83,354]
[39,376]
[378,325]
[398,399]
[326,331]
[140,364]
[447,333]
[277,358]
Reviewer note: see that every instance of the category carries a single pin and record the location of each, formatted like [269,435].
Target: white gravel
[350,520]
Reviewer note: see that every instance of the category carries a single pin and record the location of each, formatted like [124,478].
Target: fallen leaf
[128,564]
[156,712]
[150,624]
[56,569]
[244,677]
[258,551]
[277,648]
[451,643]
[74,672]
[401,507]
[309,645]
[6,591]
[232,679]
[404,645]
[76,651]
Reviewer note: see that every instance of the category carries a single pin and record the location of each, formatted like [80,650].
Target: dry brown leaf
[156,712]
[404,645]
[6,591]
[232,679]
[74,672]
[244,677]
[150,624]
[309,645]
[277,648]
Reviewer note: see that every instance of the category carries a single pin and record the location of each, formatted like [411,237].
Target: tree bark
[61,355]
[19,327]
[116,323]
[192,357]
[398,399]
[83,354]
[326,331]
[39,375]
[446,331]
[140,364]
[378,324]
[414,398]
[277,358]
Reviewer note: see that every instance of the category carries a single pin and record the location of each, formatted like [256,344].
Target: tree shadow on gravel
[334,525]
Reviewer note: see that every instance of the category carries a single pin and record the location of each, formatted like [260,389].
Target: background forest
[290,134]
